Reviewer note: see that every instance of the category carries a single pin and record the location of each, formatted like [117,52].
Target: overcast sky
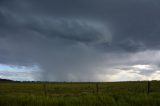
[80,40]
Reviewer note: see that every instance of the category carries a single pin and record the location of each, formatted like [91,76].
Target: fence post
[45,89]
[97,88]
[148,87]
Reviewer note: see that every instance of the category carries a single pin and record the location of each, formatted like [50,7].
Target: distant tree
[5,80]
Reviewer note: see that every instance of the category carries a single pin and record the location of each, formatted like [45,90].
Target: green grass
[79,94]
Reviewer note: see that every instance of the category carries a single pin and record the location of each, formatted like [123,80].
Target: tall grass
[89,100]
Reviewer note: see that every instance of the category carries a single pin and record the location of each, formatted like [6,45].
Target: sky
[80,40]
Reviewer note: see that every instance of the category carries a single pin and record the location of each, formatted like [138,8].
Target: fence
[79,88]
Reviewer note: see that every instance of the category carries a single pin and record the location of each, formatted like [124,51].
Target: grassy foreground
[80,94]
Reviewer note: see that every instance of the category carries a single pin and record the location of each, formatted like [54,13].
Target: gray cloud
[81,40]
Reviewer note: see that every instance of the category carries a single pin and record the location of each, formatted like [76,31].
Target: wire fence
[79,88]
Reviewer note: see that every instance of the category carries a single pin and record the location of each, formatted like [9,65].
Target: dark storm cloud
[134,21]
[79,40]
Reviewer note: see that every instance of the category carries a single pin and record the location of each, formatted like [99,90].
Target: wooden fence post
[148,87]
[97,88]
[45,89]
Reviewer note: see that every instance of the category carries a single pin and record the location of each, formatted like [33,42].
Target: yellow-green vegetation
[80,93]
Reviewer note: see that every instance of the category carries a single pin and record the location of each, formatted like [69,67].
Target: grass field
[80,94]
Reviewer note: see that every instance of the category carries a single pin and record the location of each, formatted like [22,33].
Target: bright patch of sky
[20,73]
